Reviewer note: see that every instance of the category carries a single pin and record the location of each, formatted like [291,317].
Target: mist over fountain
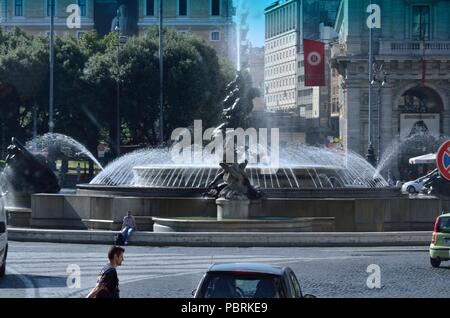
[296,166]
[300,167]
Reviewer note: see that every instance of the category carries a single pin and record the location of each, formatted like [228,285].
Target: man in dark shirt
[108,281]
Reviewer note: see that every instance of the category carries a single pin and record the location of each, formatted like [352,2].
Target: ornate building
[412,51]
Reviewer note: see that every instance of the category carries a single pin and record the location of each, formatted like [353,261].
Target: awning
[425,159]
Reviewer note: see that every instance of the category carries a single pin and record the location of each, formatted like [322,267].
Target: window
[421,23]
[18,8]
[215,36]
[82,5]
[49,7]
[182,7]
[150,7]
[215,7]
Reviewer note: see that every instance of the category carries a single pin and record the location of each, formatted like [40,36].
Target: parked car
[440,242]
[3,239]
[249,280]
[415,186]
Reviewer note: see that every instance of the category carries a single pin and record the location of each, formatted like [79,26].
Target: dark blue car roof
[247,267]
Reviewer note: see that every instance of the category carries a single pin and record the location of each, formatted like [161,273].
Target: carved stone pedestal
[232,209]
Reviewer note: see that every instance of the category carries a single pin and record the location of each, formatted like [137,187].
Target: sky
[255,19]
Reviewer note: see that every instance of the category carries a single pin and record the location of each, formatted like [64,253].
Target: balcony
[415,48]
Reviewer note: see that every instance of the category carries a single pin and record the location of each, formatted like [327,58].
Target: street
[40,270]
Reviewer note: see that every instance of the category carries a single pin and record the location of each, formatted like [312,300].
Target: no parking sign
[443,160]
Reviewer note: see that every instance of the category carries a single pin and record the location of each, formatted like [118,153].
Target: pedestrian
[78,169]
[128,227]
[108,281]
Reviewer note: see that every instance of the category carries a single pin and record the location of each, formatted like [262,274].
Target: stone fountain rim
[269,220]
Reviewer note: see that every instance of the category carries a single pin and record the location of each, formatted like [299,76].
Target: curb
[226,239]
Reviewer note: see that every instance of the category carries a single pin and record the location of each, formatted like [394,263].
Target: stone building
[413,47]
[287,24]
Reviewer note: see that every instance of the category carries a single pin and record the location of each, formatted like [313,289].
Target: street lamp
[117,29]
[379,80]
[51,124]
[370,151]
[161,75]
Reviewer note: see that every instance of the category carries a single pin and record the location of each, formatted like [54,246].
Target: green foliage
[87,74]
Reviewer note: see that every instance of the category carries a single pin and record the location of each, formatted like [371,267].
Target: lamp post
[161,75]
[51,123]
[370,156]
[117,29]
[379,80]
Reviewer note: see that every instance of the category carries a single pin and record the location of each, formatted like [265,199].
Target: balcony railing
[415,48]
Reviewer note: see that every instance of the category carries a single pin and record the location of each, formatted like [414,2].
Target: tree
[23,68]
[75,112]
[100,76]
[194,80]
[139,66]
[86,75]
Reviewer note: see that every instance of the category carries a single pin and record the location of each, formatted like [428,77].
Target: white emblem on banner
[314,58]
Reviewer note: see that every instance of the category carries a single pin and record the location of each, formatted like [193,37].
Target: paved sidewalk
[225,239]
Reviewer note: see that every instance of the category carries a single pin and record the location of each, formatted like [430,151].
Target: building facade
[413,48]
[281,55]
[211,20]
[287,24]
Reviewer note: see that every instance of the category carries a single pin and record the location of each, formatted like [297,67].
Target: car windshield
[242,285]
[444,225]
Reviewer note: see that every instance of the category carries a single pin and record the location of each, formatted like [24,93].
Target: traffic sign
[443,160]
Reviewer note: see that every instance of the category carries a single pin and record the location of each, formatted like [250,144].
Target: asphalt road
[41,270]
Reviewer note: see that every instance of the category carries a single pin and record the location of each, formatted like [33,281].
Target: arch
[406,88]
[438,103]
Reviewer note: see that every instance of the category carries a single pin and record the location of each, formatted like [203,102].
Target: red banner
[314,63]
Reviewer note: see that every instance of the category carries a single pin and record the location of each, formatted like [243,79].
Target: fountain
[59,141]
[310,189]
[31,169]
[417,141]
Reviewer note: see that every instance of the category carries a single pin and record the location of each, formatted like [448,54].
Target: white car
[415,186]
[3,238]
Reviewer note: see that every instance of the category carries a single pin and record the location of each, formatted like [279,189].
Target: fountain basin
[261,224]
[352,214]
[158,192]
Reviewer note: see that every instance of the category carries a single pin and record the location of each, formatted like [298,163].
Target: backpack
[120,240]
